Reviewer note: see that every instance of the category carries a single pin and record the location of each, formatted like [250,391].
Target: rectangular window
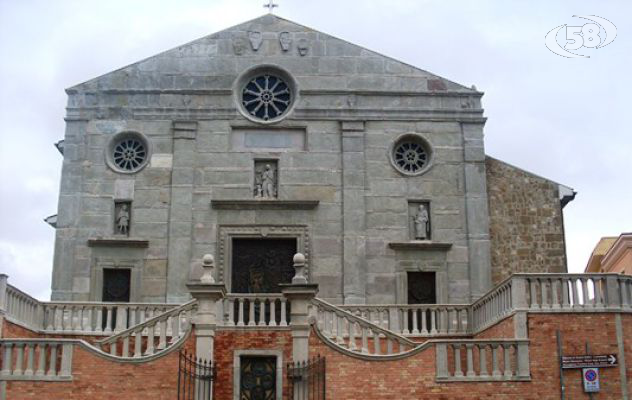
[116,285]
[422,288]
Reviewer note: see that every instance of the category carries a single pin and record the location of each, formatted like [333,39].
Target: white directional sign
[590,377]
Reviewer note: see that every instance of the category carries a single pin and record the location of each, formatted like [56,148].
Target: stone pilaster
[477,210]
[354,212]
[205,319]
[299,294]
[3,300]
[180,212]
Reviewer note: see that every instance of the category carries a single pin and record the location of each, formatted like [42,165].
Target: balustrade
[482,360]
[35,359]
[356,334]
[255,310]
[151,336]
[416,319]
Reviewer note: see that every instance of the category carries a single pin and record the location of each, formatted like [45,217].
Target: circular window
[266,94]
[411,154]
[128,152]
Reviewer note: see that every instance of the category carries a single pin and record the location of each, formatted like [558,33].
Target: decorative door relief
[419,217]
[122,217]
[266,180]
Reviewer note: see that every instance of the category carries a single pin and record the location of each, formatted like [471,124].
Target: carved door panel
[259,265]
[258,378]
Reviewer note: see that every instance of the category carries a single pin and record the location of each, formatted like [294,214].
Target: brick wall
[414,377]
[226,342]
[526,227]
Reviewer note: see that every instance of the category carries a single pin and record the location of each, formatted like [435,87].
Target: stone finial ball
[208,259]
[299,258]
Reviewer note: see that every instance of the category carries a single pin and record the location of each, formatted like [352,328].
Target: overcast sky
[565,119]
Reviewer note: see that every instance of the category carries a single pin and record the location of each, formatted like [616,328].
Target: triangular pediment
[317,60]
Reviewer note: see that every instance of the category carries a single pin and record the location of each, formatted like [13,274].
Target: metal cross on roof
[270,6]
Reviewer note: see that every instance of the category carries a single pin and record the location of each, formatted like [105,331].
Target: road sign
[590,377]
[589,361]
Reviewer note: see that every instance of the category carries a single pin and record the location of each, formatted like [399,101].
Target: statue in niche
[268,182]
[265,180]
[285,40]
[122,220]
[421,220]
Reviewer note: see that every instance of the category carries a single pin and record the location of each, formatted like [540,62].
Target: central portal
[259,265]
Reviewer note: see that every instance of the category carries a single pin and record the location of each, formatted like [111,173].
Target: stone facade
[337,187]
[526,222]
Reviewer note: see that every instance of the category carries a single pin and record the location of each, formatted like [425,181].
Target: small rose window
[411,155]
[128,152]
[266,97]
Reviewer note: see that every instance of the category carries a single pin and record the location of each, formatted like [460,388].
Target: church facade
[273,213]
[270,138]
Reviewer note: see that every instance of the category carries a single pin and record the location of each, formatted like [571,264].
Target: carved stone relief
[266,179]
[303,46]
[285,39]
[122,218]
[239,46]
[255,38]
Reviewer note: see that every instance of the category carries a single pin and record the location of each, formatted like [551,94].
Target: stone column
[207,293]
[477,213]
[354,213]
[299,294]
[180,212]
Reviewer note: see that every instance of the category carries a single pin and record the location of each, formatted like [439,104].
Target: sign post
[590,376]
[590,361]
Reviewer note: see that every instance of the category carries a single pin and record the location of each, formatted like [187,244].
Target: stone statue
[122,220]
[268,182]
[421,220]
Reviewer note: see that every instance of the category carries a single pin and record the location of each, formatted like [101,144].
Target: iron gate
[195,378]
[307,379]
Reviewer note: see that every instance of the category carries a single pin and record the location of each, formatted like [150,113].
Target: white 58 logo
[594,35]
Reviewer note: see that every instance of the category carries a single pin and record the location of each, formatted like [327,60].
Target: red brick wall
[502,329]
[96,378]
[226,342]
[413,377]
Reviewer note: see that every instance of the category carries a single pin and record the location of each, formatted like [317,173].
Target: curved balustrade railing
[356,335]
[152,336]
[416,319]
[492,307]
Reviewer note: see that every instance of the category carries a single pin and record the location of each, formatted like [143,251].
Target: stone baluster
[125,349]
[495,367]
[424,320]
[19,358]
[415,317]
[544,292]
[262,312]
[469,352]
[433,322]
[404,313]
[534,292]
[138,342]
[108,319]
[30,355]
[508,373]
[284,321]
[251,312]
[458,371]
[565,293]
[149,350]
[7,360]
[377,346]
[273,303]
[41,363]
[162,342]
[482,360]
[585,296]
[365,340]
[352,336]
[555,300]
[52,361]
[240,311]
